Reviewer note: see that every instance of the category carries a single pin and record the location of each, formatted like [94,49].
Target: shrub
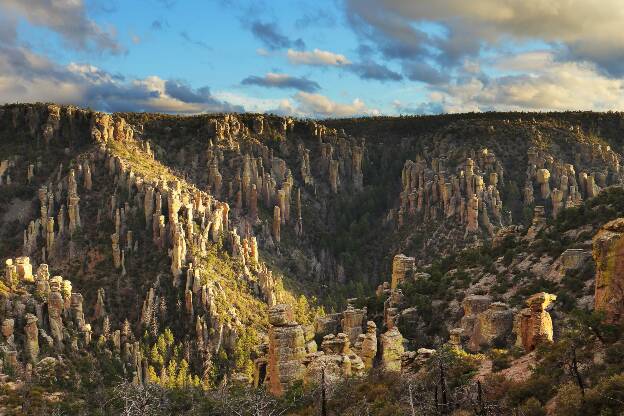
[569,401]
[532,407]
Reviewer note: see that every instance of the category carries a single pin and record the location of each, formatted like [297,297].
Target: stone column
[543,177]
[31,344]
[50,236]
[368,351]
[253,203]
[8,328]
[351,322]
[276,223]
[55,310]
[391,350]
[116,250]
[286,350]
[401,265]
[334,180]
[74,216]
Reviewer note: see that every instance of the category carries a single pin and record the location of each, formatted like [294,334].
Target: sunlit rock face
[533,325]
[608,252]
[286,349]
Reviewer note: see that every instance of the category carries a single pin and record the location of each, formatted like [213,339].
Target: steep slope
[148,251]
[184,236]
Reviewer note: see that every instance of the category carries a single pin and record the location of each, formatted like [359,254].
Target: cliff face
[608,252]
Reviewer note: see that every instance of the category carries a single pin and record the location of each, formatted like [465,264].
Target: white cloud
[69,19]
[537,82]
[317,57]
[581,29]
[317,105]
[302,104]
[251,104]
[29,77]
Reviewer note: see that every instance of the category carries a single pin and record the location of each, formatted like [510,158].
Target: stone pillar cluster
[432,192]
[42,315]
[292,353]
[564,185]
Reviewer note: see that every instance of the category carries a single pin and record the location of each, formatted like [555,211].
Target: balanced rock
[533,325]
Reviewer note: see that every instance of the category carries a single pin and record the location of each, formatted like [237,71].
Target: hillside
[192,261]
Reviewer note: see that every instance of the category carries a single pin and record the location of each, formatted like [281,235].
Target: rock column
[286,350]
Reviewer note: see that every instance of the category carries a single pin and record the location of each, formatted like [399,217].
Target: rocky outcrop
[31,344]
[538,222]
[8,330]
[485,323]
[391,350]
[608,253]
[533,325]
[432,193]
[574,258]
[286,350]
[277,224]
[368,345]
[473,305]
[351,322]
[336,361]
[491,327]
[56,305]
[402,266]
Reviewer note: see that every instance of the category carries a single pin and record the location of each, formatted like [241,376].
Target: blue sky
[328,58]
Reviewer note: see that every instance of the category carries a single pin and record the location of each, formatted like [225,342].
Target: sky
[314,58]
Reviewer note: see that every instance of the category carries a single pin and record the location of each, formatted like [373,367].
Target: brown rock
[276,223]
[351,322]
[31,344]
[391,350]
[281,315]
[401,266]
[368,349]
[491,327]
[533,325]
[286,350]
[608,253]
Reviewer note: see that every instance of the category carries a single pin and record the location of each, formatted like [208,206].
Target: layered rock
[608,253]
[391,350]
[533,325]
[351,322]
[491,327]
[402,265]
[286,350]
[368,345]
